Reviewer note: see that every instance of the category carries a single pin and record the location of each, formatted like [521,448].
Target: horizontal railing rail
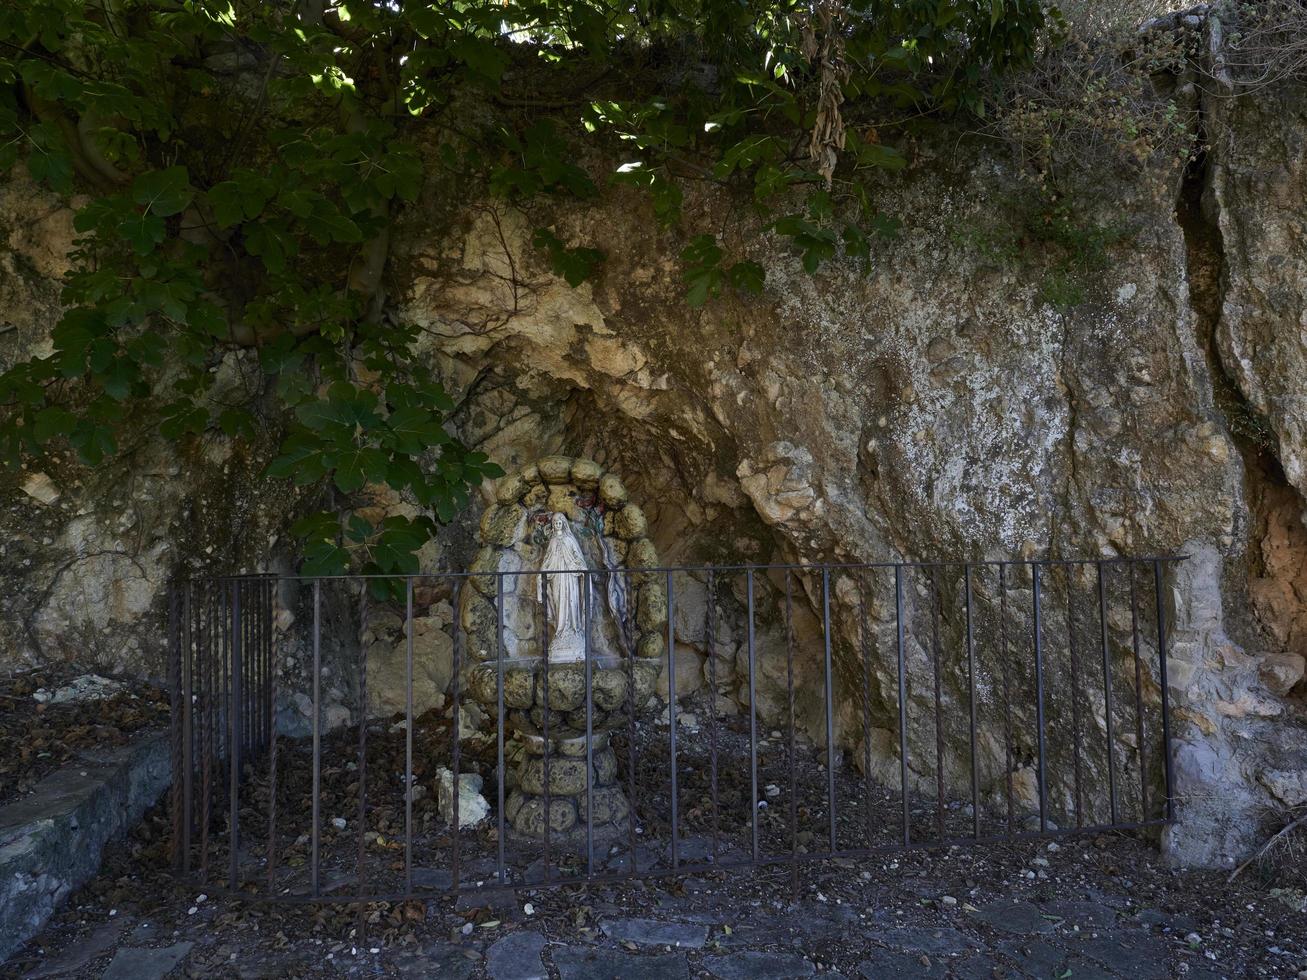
[834,711]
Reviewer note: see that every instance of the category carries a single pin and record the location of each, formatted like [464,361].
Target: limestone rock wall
[937,406]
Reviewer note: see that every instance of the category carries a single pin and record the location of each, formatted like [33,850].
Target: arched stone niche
[545,702]
[613,534]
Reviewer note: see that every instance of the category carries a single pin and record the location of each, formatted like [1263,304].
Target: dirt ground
[1098,905]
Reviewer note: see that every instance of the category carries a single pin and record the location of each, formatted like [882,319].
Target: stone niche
[545,703]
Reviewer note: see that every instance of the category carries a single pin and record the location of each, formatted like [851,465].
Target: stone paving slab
[655,932]
[759,965]
[145,963]
[517,957]
[579,963]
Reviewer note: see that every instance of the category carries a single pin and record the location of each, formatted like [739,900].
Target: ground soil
[36,739]
[1100,904]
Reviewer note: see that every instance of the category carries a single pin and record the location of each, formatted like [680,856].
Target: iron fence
[845,711]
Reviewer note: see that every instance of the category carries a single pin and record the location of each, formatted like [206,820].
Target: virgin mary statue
[565,584]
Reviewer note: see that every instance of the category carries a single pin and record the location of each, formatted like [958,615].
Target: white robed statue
[566,585]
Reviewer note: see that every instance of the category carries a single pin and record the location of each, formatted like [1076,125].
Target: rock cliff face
[940,406]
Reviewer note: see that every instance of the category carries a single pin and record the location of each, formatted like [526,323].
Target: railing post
[971,686]
[408,735]
[316,829]
[1166,697]
[1107,692]
[234,743]
[1039,696]
[499,711]
[830,706]
[176,728]
[671,714]
[753,720]
[903,704]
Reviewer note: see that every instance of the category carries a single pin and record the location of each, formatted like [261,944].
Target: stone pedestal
[549,782]
[566,801]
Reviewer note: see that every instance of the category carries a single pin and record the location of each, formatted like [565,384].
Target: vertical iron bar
[632,706]
[315,831]
[789,696]
[671,715]
[830,707]
[272,737]
[711,628]
[1005,653]
[248,681]
[935,601]
[903,704]
[188,724]
[458,741]
[586,613]
[176,730]
[234,747]
[1139,697]
[971,685]
[1166,694]
[270,658]
[1039,696]
[865,638]
[361,851]
[753,721]
[500,871]
[544,717]
[1107,692]
[408,734]
[1074,653]
[208,682]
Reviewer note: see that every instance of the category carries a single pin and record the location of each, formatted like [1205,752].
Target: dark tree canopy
[244,159]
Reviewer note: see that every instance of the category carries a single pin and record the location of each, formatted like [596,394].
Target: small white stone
[949,900]
[338,823]
[529,909]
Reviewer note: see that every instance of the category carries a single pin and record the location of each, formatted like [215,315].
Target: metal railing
[891,705]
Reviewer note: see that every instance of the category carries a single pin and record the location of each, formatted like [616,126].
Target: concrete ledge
[51,842]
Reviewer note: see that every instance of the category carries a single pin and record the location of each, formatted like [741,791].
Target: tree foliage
[244,160]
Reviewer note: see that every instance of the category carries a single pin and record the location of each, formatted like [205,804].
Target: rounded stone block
[652,611]
[611,491]
[519,687]
[642,554]
[567,775]
[586,473]
[482,684]
[565,686]
[481,572]
[609,805]
[651,645]
[630,523]
[646,678]
[528,815]
[562,500]
[556,469]
[478,613]
[511,489]
[608,688]
[502,525]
